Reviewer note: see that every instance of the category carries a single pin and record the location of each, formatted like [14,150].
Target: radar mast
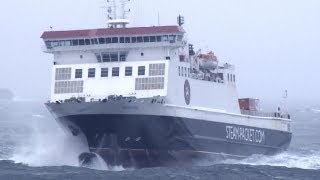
[118,17]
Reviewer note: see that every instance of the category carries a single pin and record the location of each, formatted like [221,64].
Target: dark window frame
[78,74]
[104,72]
[128,71]
[115,71]
[141,71]
[91,72]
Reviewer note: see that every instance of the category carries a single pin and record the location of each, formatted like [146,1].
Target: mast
[118,13]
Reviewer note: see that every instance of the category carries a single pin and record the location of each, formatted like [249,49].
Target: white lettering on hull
[245,134]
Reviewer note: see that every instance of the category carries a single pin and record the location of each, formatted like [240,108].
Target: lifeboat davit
[208,61]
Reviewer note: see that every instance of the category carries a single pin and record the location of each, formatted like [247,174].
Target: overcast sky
[275,44]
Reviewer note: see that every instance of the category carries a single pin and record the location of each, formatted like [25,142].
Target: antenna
[180,20]
[117,18]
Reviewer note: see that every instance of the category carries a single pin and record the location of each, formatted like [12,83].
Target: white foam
[286,159]
[48,145]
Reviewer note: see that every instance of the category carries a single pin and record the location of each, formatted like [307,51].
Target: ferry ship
[144,97]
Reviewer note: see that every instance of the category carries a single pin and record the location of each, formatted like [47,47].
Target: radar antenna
[118,17]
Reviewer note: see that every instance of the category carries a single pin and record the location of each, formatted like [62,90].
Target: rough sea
[32,147]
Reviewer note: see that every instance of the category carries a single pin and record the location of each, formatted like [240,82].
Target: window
[179,71]
[234,78]
[63,74]
[104,72]
[121,39]
[157,69]
[102,40]
[152,83]
[115,40]
[146,39]
[228,77]
[159,38]
[98,56]
[128,71]
[94,41]
[127,40]
[134,39]
[141,70]
[65,87]
[87,41]
[115,71]
[139,39]
[172,38]
[78,74]
[185,72]
[180,37]
[114,57]
[182,71]
[75,42]
[165,38]
[106,57]
[123,56]
[91,72]
[188,72]
[108,40]
[68,43]
[152,39]
[81,42]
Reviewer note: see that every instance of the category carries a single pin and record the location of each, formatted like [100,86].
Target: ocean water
[33,146]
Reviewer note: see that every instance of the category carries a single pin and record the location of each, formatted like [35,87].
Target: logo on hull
[187,92]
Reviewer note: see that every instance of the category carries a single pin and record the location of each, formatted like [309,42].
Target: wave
[285,159]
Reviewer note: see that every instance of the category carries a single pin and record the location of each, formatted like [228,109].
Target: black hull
[145,141]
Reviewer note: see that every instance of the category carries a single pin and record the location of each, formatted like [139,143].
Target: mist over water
[29,135]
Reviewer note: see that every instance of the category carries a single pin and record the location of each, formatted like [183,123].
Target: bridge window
[68,43]
[78,74]
[104,72]
[128,71]
[108,40]
[141,70]
[121,39]
[63,74]
[115,40]
[165,38]
[134,39]
[127,40]
[146,39]
[94,41]
[115,71]
[81,42]
[91,72]
[159,38]
[139,39]
[75,42]
[102,40]
[87,41]
[152,39]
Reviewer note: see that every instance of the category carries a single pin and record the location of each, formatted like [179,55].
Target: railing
[265,114]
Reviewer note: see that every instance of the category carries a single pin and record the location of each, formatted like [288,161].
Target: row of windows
[63,74]
[115,72]
[65,87]
[111,56]
[149,83]
[184,72]
[232,77]
[110,40]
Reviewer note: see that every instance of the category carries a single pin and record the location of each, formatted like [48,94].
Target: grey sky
[274,44]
